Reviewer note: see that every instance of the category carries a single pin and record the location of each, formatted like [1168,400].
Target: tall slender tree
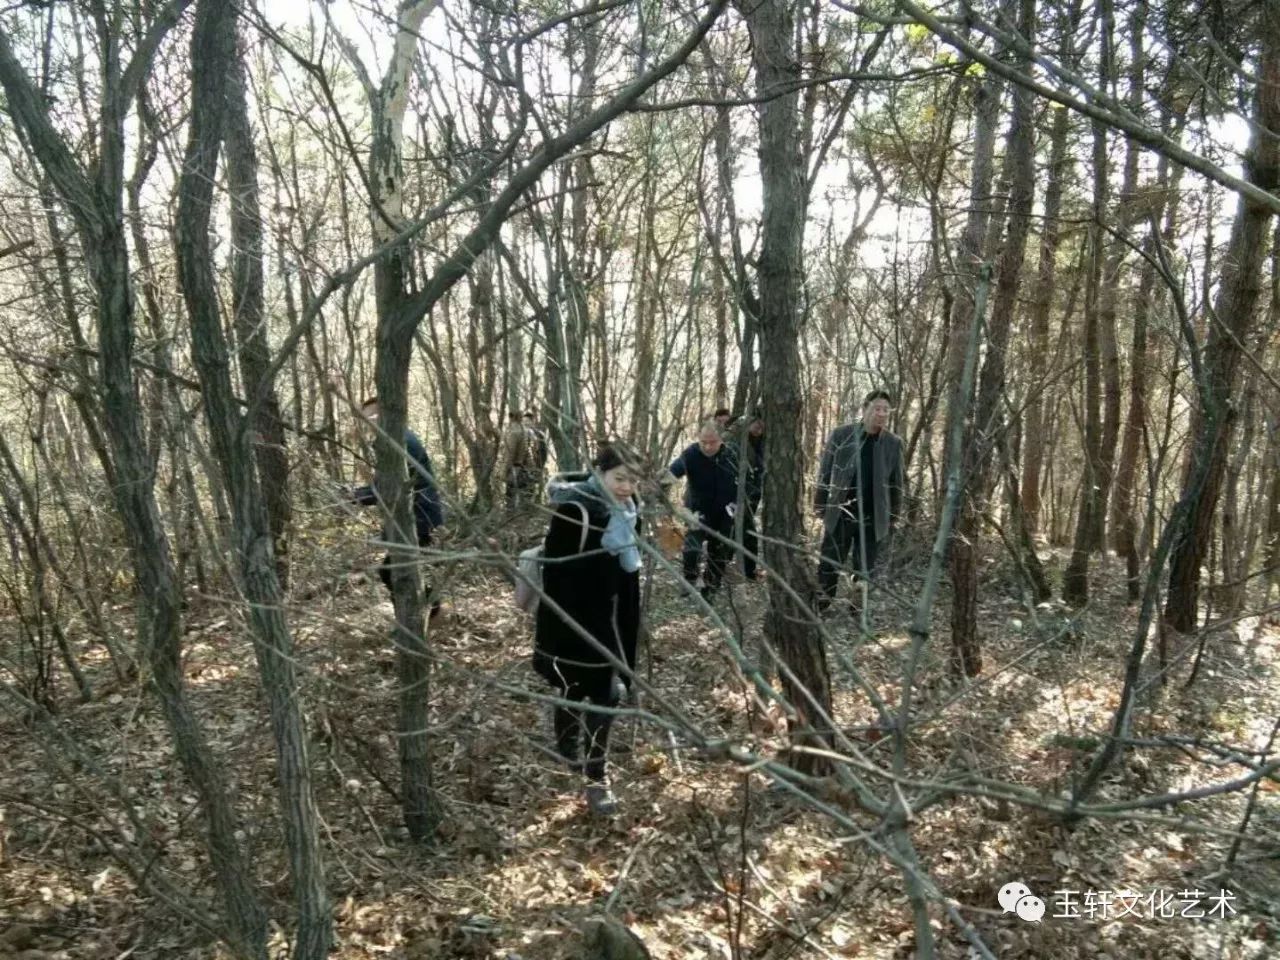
[213,73]
[780,274]
[1231,319]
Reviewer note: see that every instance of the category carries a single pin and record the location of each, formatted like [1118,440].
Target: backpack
[529,569]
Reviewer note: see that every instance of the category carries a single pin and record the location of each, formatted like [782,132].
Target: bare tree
[94,198]
[213,65]
[1232,317]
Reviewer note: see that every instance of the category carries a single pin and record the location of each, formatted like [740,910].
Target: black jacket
[591,587]
[712,481]
[838,475]
[428,511]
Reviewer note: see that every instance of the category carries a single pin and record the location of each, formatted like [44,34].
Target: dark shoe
[600,800]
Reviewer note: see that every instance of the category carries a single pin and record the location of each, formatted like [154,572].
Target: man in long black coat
[858,494]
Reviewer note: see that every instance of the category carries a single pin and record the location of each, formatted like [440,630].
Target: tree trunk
[1075,580]
[806,680]
[1124,517]
[1042,305]
[420,806]
[966,656]
[1213,418]
[1114,269]
[1231,593]
[249,318]
[1271,536]
[987,423]
[213,67]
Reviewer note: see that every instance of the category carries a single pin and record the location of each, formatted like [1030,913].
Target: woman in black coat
[591,559]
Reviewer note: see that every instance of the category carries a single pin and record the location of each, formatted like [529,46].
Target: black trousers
[384,569]
[719,552]
[848,542]
[578,725]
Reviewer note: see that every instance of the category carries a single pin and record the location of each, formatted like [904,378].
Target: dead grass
[701,854]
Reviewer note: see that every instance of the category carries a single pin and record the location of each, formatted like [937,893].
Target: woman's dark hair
[612,455]
[875,395]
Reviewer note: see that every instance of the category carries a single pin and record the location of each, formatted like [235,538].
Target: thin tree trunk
[419,803]
[780,273]
[213,59]
[1108,293]
[1075,580]
[1213,418]
[983,431]
[250,320]
[1124,517]
[966,656]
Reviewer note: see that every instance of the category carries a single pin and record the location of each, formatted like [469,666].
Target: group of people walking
[587,624]
[585,634]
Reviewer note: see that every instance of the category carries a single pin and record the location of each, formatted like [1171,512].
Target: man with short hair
[428,512]
[711,494]
[859,493]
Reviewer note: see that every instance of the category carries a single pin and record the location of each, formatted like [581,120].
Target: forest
[321,322]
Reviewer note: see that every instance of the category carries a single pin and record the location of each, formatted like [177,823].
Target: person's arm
[570,577]
[678,467]
[565,534]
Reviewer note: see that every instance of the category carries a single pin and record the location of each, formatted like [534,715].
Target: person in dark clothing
[751,467]
[596,582]
[859,493]
[711,494]
[428,511]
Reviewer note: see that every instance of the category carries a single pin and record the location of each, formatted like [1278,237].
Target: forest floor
[703,860]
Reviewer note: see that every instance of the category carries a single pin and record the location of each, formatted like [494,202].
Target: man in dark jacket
[428,512]
[711,494]
[859,493]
